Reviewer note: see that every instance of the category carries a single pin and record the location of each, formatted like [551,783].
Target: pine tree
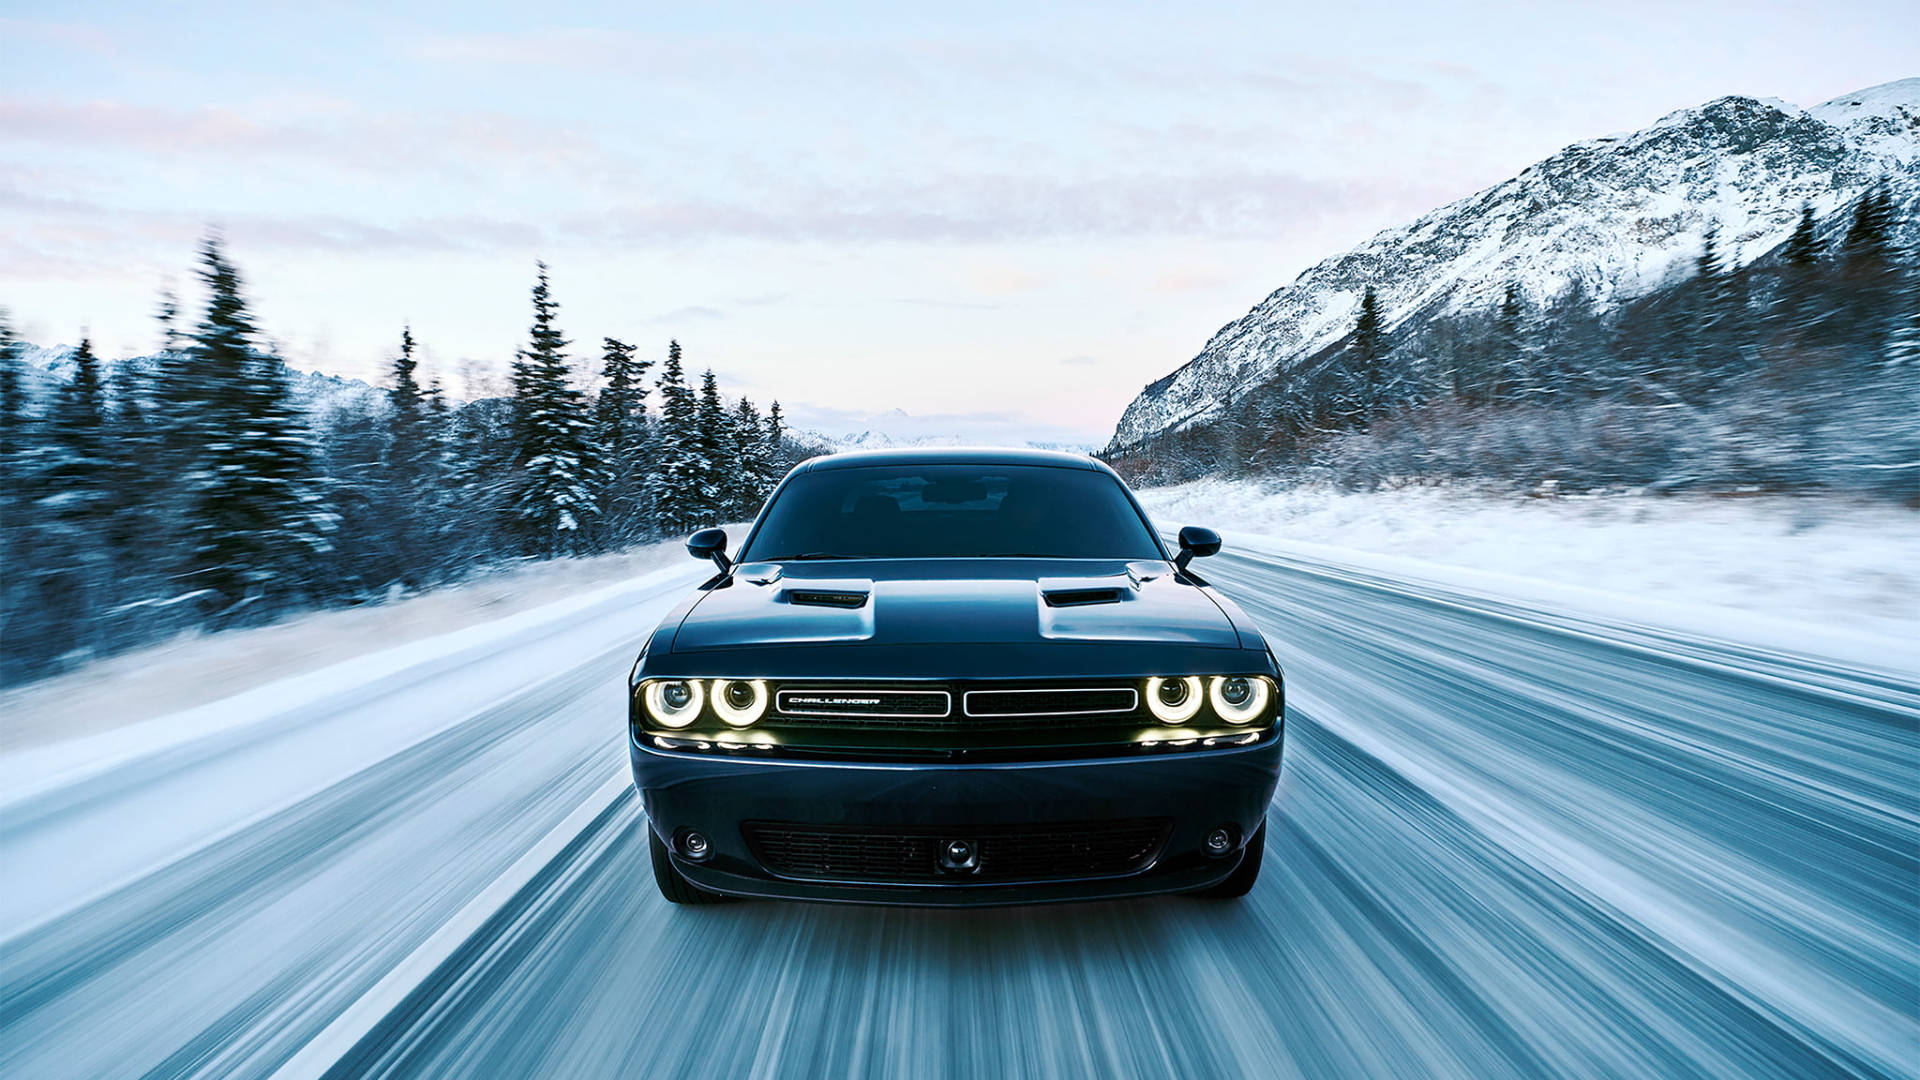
[73,504]
[405,394]
[713,447]
[620,437]
[403,500]
[1868,284]
[13,398]
[773,447]
[258,515]
[1802,249]
[748,475]
[1515,348]
[1365,363]
[552,498]
[673,484]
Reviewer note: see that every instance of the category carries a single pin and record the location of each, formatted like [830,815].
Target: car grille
[935,708]
[1051,702]
[862,703]
[1006,853]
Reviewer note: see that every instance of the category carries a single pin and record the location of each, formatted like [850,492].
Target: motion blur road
[1507,842]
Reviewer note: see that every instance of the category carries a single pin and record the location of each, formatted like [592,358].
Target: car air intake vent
[827,599]
[1006,853]
[1081,597]
[862,702]
[1065,702]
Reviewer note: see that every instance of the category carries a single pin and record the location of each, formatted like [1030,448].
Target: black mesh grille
[992,709]
[1050,702]
[1007,853]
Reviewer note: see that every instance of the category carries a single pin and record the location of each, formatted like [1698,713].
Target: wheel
[1240,882]
[675,887]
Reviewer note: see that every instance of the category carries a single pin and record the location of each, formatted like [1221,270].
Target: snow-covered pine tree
[407,484]
[404,396]
[749,472]
[1802,248]
[259,517]
[713,449]
[71,487]
[1363,369]
[13,397]
[1515,348]
[552,486]
[1868,284]
[773,449]
[620,440]
[673,484]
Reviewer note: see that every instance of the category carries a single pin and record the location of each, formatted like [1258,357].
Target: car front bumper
[1196,790]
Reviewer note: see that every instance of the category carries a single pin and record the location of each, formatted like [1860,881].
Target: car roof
[952,455]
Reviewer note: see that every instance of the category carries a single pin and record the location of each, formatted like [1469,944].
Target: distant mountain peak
[1615,217]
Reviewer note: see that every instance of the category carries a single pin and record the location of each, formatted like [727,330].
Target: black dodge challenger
[955,677]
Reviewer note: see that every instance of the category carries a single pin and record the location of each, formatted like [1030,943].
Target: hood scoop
[1083,597]
[846,599]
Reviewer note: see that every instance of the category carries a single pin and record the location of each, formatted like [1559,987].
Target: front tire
[1240,882]
[673,885]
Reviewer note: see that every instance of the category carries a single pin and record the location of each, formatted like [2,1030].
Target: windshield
[952,511]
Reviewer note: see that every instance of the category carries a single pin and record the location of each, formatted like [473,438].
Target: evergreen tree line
[1797,371]
[192,489]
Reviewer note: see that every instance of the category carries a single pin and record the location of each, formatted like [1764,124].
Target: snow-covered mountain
[46,367]
[1617,215]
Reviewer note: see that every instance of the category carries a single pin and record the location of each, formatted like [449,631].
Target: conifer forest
[188,490]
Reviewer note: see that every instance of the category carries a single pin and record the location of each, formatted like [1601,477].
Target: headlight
[1240,699]
[674,702]
[1173,701]
[739,701]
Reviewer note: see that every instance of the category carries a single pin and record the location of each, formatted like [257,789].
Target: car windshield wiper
[815,555]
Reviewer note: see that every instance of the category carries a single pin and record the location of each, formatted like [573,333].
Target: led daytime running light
[1248,710]
[738,717]
[1173,714]
[667,715]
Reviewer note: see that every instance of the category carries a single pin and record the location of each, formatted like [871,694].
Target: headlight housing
[1174,701]
[1240,699]
[674,703]
[740,702]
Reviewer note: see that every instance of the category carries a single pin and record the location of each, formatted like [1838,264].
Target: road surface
[1507,842]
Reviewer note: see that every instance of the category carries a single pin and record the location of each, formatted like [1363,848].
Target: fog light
[694,845]
[1219,841]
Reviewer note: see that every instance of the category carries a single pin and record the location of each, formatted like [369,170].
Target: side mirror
[1196,542]
[712,544]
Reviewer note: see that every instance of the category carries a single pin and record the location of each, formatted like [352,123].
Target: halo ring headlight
[1239,699]
[1173,701]
[674,703]
[727,700]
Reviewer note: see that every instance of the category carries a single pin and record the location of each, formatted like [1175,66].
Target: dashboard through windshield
[952,511]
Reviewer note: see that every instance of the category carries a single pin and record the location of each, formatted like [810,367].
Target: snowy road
[1507,842]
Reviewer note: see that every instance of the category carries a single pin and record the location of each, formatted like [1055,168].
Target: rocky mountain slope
[1615,216]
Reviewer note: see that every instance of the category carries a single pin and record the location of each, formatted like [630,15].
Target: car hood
[953,602]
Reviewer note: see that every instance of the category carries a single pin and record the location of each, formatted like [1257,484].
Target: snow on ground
[1850,568]
[199,668]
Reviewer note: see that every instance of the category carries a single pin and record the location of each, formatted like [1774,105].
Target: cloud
[336,134]
[690,313]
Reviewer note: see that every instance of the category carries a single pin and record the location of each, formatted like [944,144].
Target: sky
[1002,219]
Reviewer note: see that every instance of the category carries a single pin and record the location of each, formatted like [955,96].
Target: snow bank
[197,669]
[1851,569]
